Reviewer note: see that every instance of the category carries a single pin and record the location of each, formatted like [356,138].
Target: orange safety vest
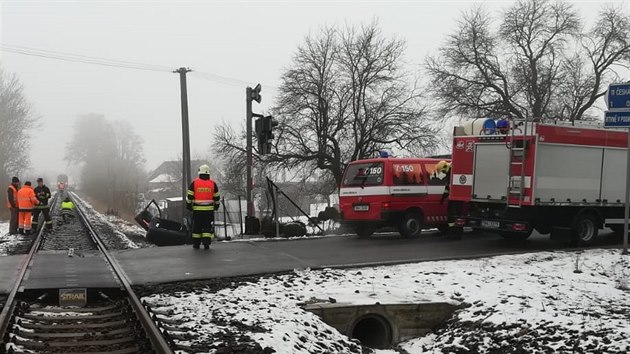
[26,198]
[203,197]
[15,192]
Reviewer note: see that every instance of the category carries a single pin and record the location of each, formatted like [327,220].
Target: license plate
[490,224]
[361,207]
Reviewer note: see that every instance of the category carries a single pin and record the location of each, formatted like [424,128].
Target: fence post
[240,214]
[225,219]
[275,207]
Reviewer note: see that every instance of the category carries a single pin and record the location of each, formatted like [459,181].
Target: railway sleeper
[37,326]
[41,318]
[130,350]
[74,309]
[74,335]
[30,344]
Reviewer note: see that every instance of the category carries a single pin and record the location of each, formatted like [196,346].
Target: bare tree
[344,97]
[112,159]
[604,46]
[16,119]
[529,67]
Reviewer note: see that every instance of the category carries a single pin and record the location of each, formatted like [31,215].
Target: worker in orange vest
[203,200]
[26,202]
[12,204]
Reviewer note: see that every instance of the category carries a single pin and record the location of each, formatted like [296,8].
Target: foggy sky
[250,41]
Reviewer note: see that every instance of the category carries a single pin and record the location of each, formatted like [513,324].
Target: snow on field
[10,244]
[531,303]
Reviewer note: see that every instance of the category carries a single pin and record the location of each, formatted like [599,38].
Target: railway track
[74,319]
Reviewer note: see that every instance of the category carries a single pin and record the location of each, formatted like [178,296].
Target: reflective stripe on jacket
[26,198]
[203,194]
[12,196]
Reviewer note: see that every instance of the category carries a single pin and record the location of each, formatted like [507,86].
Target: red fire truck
[545,177]
[401,192]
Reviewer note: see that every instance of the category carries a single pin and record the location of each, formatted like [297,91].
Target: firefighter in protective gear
[12,204]
[454,208]
[445,168]
[43,195]
[67,209]
[203,200]
[26,203]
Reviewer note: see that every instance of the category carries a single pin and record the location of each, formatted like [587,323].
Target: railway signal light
[255,94]
[264,132]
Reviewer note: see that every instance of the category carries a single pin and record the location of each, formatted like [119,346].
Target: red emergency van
[402,192]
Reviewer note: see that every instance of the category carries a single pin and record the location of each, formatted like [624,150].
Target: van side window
[435,178]
[407,174]
[363,174]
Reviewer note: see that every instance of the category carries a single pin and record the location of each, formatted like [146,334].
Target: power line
[218,78]
[125,64]
[83,56]
[77,58]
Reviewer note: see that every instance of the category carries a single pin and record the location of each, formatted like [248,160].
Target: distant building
[166,180]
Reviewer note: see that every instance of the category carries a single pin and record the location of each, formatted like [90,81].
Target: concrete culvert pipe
[374,331]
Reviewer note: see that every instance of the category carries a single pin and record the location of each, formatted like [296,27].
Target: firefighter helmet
[204,170]
[443,166]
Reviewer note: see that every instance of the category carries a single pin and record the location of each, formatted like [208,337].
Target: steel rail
[154,334]
[9,306]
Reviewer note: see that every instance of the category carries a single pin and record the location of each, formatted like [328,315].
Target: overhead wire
[116,63]
[77,58]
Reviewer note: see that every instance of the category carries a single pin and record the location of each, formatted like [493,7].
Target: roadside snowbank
[535,303]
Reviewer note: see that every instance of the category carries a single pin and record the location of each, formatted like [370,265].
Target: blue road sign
[617,120]
[619,97]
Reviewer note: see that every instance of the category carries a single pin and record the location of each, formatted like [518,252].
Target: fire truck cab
[405,193]
[525,176]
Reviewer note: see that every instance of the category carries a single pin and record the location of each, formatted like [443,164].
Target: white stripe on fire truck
[462,180]
[435,189]
[368,190]
[386,190]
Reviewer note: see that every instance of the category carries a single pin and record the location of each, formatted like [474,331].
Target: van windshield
[363,174]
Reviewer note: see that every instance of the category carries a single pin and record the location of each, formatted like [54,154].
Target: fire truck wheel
[411,224]
[585,229]
[364,231]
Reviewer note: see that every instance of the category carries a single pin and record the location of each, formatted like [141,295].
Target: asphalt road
[226,259]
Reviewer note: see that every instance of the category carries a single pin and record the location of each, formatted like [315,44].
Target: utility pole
[250,95]
[185,137]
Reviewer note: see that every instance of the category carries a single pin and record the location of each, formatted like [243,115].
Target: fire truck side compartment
[491,171]
[568,173]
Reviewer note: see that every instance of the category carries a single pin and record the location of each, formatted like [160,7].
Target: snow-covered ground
[531,303]
[127,235]
[10,243]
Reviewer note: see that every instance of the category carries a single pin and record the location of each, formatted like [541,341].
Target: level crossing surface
[9,269]
[54,269]
[227,259]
